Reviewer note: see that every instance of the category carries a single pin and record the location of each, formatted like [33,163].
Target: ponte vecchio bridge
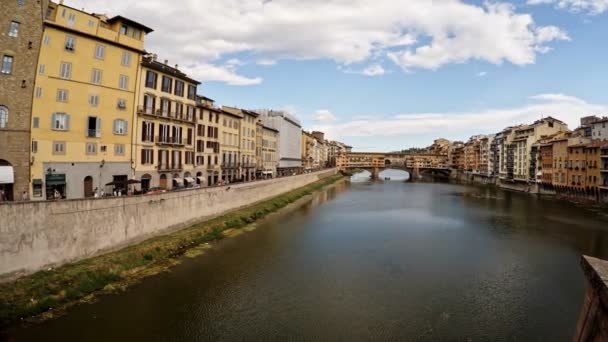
[414,164]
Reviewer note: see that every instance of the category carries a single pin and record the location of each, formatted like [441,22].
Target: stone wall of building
[17,87]
[36,235]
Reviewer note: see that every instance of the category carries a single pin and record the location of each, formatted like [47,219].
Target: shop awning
[189,179]
[178,180]
[201,179]
[266,172]
[7,175]
[55,179]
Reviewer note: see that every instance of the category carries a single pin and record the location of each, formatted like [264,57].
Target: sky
[386,75]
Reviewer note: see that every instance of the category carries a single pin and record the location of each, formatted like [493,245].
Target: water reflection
[368,260]
[385,175]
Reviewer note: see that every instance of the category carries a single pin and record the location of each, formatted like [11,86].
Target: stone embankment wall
[36,235]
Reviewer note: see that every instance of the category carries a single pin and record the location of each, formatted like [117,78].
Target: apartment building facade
[248,144]
[269,160]
[83,104]
[290,140]
[230,144]
[164,140]
[21,23]
[208,142]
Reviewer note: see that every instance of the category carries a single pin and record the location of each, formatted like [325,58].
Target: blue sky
[451,69]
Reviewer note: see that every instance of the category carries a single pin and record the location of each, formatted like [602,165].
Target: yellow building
[270,156]
[163,138]
[208,141]
[84,103]
[247,147]
[230,119]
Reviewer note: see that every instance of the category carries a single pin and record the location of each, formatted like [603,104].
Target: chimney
[166,61]
[176,66]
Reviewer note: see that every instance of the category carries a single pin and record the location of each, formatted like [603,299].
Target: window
[147,156]
[3,116]
[62,95]
[93,127]
[189,157]
[65,71]
[149,104]
[34,146]
[179,88]
[147,131]
[119,149]
[71,19]
[126,59]
[58,147]
[93,100]
[151,77]
[13,30]
[41,69]
[60,121]
[38,92]
[191,92]
[7,64]
[35,122]
[123,82]
[91,148]
[166,84]
[100,51]
[47,40]
[96,75]
[121,104]
[120,127]
[123,29]
[91,23]
[70,43]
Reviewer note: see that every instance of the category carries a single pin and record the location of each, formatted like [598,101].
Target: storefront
[55,185]
[7,179]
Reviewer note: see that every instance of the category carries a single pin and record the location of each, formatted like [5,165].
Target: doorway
[88,187]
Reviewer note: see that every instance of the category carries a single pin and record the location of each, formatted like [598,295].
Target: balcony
[164,140]
[228,165]
[141,110]
[169,167]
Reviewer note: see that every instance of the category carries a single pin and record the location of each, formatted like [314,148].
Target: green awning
[55,179]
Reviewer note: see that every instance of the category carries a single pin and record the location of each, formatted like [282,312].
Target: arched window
[3,116]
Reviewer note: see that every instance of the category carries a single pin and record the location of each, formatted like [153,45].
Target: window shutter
[152,130]
[115,126]
[53,118]
[126,127]
[98,128]
[67,122]
[143,153]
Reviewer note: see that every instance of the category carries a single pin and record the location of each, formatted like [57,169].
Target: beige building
[230,137]
[163,141]
[248,144]
[207,142]
[21,25]
[270,156]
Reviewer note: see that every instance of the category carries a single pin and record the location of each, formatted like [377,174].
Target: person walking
[24,196]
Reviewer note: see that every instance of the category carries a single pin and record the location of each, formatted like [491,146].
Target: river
[367,261]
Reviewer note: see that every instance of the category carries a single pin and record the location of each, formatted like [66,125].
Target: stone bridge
[415,165]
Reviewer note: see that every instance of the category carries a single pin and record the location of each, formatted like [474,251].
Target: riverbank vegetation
[48,293]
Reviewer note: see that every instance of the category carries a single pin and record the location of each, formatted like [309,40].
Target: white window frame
[70,44]
[91,148]
[46,40]
[65,70]
[94,100]
[123,82]
[120,127]
[63,95]
[60,121]
[96,76]
[100,52]
[56,144]
[119,149]
[126,58]
[38,93]
[3,116]
[42,69]
[7,60]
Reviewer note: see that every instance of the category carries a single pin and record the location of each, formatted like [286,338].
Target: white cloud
[408,126]
[374,70]
[323,116]
[264,61]
[592,7]
[413,34]
[482,74]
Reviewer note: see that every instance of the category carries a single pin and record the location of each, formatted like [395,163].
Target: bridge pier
[375,173]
